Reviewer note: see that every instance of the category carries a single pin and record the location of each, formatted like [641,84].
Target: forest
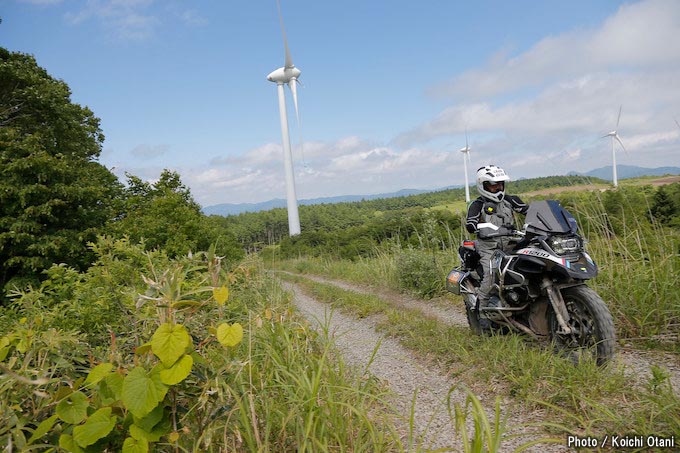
[130,321]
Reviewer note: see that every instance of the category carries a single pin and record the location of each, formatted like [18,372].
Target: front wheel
[592,327]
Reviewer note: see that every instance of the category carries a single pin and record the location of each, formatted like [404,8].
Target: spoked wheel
[592,335]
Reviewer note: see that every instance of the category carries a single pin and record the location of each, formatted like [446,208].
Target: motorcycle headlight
[563,245]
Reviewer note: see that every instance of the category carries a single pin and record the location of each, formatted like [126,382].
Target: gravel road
[635,364]
[407,376]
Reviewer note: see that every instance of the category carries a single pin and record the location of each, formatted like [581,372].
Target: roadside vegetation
[633,236]
[130,321]
[581,400]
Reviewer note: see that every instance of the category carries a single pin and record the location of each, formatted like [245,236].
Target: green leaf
[97,426]
[169,342]
[185,304]
[132,445]
[43,428]
[198,358]
[221,295]
[151,419]
[229,335]
[143,349]
[73,409]
[143,391]
[67,443]
[114,383]
[5,346]
[177,372]
[141,434]
[98,373]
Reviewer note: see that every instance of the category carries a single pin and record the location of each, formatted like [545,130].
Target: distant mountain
[628,171]
[226,209]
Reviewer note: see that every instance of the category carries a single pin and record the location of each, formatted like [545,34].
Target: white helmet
[487,177]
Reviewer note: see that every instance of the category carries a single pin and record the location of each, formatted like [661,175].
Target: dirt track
[406,374]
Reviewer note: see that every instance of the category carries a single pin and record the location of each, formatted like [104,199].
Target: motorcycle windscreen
[548,216]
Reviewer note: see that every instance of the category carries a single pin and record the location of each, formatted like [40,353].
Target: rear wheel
[593,334]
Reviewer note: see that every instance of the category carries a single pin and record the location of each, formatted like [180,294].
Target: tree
[54,195]
[165,216]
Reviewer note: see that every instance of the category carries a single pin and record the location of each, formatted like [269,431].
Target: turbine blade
[676,122]
[619,118]
[466,140]
[618,139]
[293,89]
[289,59]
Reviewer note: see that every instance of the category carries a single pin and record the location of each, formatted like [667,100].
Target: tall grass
[296,394]
[281,389]
[586,399]
[639,263]
[638,259]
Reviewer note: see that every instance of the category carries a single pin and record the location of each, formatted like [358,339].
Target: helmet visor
[494,187]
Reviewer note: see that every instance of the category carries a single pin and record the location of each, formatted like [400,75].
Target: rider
[491,217]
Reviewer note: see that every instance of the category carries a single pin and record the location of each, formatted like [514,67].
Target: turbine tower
[287,75]
[615,136]
[466,159]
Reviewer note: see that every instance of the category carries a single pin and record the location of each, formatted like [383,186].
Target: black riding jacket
[498,214]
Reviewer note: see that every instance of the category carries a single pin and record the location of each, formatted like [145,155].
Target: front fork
[558,305]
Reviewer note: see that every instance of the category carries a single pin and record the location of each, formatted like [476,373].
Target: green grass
[583,399]
[639,266]
[297,394]
[378,271]
[454,206]
[283,388]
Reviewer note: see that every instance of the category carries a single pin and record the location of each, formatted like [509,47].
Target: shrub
[418,271]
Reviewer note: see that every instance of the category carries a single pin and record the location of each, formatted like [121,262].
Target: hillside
[604,173]
[628,171]
[225,209]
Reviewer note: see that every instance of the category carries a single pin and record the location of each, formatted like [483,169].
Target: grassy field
[187,355]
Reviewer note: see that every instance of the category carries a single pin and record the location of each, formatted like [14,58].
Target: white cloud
[145,151]
[347,166]
[133,20]
[125,19]
[41,2]
[192,17]
[540,112]
[640,35]
[578,80]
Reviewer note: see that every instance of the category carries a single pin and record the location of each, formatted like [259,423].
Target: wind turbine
[466,159]
[615,136]
[287,75]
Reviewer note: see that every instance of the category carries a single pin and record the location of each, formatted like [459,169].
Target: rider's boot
[488,301]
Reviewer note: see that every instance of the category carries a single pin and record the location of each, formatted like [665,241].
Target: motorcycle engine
[512,297]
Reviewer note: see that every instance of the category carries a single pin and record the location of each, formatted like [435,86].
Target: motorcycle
[541,286]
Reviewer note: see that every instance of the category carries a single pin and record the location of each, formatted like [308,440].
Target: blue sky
[388,87]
